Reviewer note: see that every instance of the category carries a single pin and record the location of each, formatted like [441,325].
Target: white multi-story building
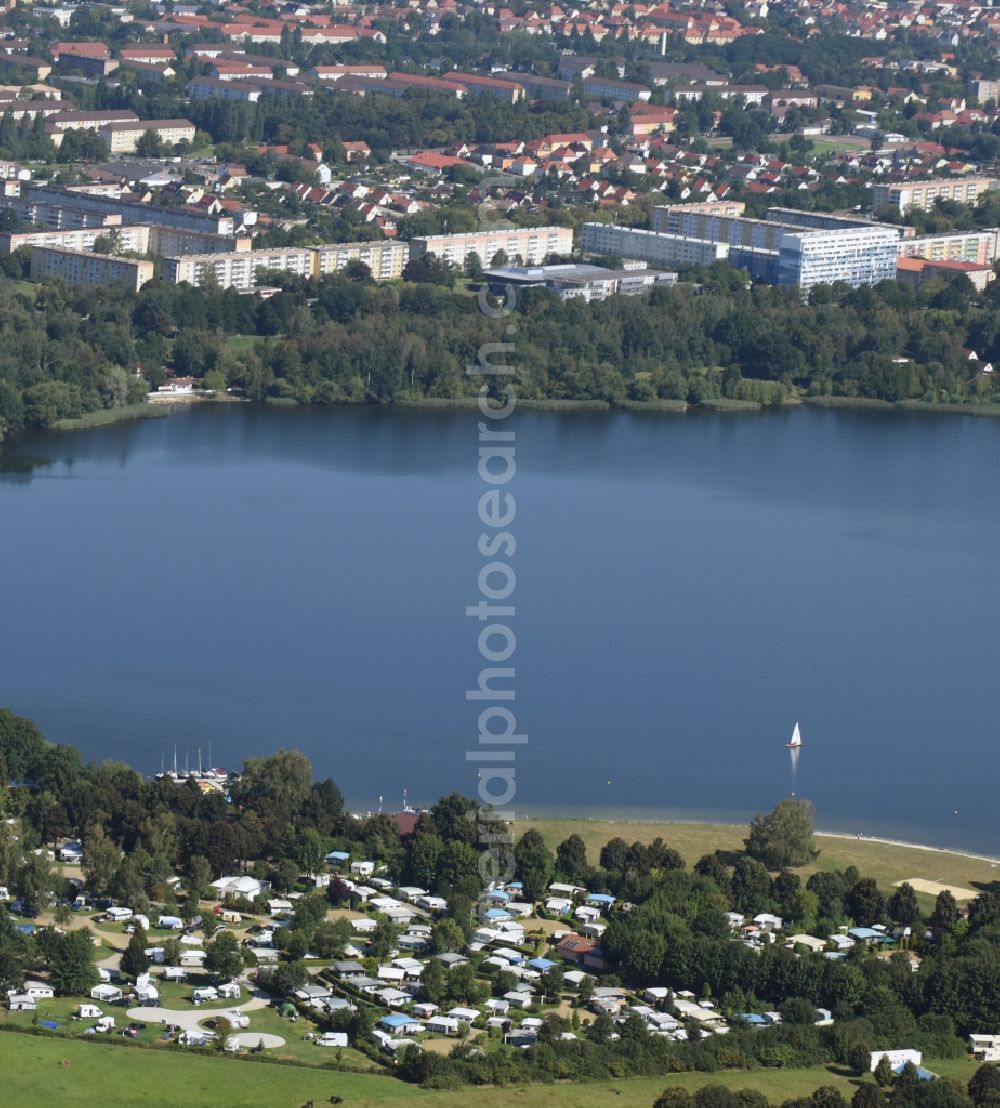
[132,240]
[531,244]
[238,270]
[857,256]
[655,247]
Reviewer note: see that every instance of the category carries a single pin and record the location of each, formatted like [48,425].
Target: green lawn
[886,862]
[833,145]
[42,1070]
[242,344]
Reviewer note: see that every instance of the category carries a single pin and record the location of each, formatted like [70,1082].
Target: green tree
[826,1096]
[984,1084]
[134,959]
[223,957]
[865,903]
[859,1058]
[552,979]
[751,886]
[199,877]
[715,1096]
[331,936]
[433,981]
[883,1072]
[275,787]
[14,950]
[784,837]
[535,864]
[797,1009]
[903,906]
[945,914]
[71,963]
[383,938]
[868,1096]
[21,745]
[101,857]
[571,859]
[447,937]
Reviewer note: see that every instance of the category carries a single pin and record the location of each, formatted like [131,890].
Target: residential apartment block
[45,204]
[385,258]
[238,271]
[923,195]
[979,247]
[79,268]
[857,256]
[133,240]
[655,247]
[123,138]
[531,244]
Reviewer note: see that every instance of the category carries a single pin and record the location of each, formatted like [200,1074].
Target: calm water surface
[687,589]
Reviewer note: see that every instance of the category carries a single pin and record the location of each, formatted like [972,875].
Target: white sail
[796,737]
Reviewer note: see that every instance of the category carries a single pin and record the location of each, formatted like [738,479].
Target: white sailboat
[796,740]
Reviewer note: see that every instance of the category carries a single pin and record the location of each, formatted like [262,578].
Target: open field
[42,1071]
[887,862]
[243,344]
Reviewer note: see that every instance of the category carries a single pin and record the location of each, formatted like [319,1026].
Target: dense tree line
[70,351]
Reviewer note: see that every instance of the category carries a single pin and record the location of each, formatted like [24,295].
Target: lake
[687,588]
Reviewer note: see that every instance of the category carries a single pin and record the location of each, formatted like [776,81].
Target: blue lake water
[687,588]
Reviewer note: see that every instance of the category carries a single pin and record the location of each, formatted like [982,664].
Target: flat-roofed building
[386,258]
[50,200]
[123,138]
[171,241]
[531,244]
[133,240]
[655,247]
[240,271]
[922,195]
[579,281]
[979,247]
[77,267]
[856,256]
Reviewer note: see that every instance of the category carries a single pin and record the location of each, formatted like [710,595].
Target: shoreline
[162,404]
